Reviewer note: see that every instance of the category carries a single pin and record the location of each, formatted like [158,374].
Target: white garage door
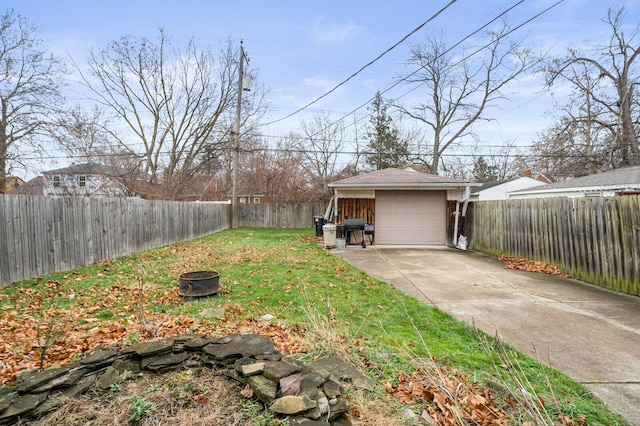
[410,217]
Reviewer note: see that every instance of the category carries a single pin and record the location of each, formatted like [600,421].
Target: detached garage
[406,207]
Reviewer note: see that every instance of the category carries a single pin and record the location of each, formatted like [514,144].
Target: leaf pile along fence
[594,239]
[40,235]
[278,215]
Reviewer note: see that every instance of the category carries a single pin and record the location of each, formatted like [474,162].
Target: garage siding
[410,217]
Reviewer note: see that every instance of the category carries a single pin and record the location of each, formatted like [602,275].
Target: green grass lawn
[338,310]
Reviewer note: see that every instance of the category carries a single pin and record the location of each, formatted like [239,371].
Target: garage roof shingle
[398,176]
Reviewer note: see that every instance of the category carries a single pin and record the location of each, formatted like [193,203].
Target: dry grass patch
[193,398]
[183,397]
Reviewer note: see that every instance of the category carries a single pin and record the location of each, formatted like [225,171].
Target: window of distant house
[56,181]
[82,180]
[243,200]
[256,201]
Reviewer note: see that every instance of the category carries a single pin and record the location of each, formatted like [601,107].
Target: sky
[300,50]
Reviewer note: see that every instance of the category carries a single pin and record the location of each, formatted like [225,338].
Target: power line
[395,84]
[418,28]
[132,152]
[476,31]
[449,50]
[473,155]
[404,79]
[318,151]
[408,76]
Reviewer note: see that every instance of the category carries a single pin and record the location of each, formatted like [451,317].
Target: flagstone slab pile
[307,394]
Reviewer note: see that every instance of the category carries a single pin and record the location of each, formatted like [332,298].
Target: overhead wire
[459,42]
[387,51]
[402,40]
[475,52]
[395,84]
[314,151]
[405,78]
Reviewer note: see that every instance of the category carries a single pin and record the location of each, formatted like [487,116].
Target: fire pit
[199,283]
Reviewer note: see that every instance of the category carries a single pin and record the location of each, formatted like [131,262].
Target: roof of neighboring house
[12,182]
[393,177]
[624,179]
[501,190]
[488,185]
[83,169]
[33,187]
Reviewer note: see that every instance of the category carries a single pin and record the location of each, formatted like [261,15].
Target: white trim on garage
[411,217]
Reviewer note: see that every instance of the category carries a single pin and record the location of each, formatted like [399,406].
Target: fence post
[595,239]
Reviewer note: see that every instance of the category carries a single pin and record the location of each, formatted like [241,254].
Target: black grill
[354,224]
[357,225]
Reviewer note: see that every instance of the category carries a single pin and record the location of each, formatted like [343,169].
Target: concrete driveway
[591,334]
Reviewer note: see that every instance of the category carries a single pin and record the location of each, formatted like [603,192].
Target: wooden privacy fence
[596,240]
[278,215]
[40,235]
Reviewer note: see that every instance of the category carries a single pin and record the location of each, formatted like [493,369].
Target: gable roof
[11,183]
[501,190]
[624,179]
[488,185]
[393,177]
[33,187]
[83,169]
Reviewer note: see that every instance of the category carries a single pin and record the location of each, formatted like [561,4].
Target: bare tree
[459,92]
[485,164]
[571,148]
[358,148]
[583,127]
[321,142]
[30,83]
[454,167]
[176,103]
[88,136]
[501,160]
[277,172]
[83,135]
[607,81]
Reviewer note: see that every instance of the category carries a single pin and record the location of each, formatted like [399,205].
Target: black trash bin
[319,222]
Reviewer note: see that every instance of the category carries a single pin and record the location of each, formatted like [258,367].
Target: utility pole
[234,192]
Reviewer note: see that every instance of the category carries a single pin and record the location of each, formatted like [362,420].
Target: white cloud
[335,33]
[318,83]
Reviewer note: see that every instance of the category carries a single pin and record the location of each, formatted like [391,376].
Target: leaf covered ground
[523,264]
[421,358]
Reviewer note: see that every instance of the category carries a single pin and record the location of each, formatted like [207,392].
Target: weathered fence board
[594,239]
[39,235]
[278,215]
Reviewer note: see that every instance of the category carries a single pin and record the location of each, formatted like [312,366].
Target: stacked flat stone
[310,394]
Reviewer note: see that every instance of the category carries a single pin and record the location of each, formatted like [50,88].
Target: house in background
[82,180]
[607,184]
[11,184]
[248,198]
[34,186]
[406,207]
[501,189]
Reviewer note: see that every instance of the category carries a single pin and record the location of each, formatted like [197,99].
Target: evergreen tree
[484,172]
[385,148]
